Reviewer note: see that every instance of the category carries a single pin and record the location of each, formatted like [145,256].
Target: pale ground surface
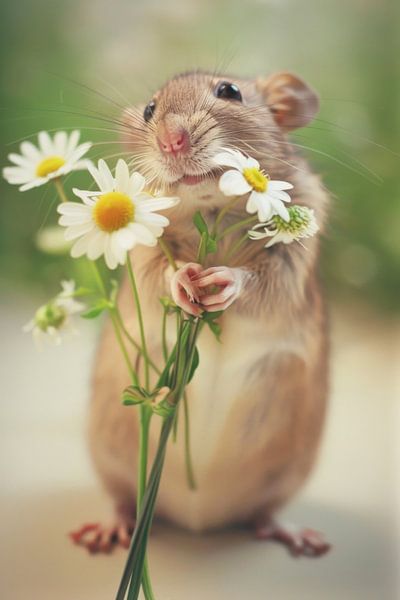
[48,486]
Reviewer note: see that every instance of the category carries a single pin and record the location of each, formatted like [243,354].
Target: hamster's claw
[97,538]
[183,289]
[299,542]
[228,282]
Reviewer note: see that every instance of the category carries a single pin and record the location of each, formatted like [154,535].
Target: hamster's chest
[230,375]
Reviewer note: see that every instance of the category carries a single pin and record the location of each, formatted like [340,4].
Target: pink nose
[173,142]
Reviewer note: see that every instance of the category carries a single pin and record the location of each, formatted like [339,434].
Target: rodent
[258,400]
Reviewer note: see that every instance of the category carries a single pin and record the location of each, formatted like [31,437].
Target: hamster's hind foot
[97,538]
[299,542]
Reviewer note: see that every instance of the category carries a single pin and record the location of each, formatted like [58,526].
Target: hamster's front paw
[184,290]
[229,284]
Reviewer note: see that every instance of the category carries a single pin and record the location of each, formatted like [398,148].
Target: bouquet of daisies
[107,221]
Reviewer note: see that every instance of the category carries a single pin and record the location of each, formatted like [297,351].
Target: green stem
[236,226]
[164,335]
[167,251]
[136,557]
[188,453]
[116,327]
[235,247]
[60,189]
[140,319]
[132,340]
[222,214]
[145,419]
[133,571]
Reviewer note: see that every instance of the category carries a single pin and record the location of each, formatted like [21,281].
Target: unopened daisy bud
[301,224]
[54,317]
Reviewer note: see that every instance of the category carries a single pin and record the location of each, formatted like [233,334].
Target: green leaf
[133,395]
[194,365]
[211,245]
[96,309]
[216,329]
[82,291]
[114,290]
[163,409]
[168,305]
[200,223]
[202,251]
[211,316]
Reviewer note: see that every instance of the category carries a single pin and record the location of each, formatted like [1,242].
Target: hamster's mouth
[196,179]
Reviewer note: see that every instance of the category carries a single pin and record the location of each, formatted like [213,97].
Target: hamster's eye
[228,91]
[149,111]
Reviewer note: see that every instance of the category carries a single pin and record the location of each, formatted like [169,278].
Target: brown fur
[263,436]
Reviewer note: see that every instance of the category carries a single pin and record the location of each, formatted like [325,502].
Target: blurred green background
[73,64]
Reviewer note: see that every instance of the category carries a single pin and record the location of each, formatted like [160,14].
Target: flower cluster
[110,220]
[267,198]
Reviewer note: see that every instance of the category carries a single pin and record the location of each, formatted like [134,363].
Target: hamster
[258,399]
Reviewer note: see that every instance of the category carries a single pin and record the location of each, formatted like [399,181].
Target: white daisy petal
[97,176]
[80,247]
[72,142]
[87,196]
[142,234]
[16,175]
[19,160]
[118,249]
[106,175]
[280,209]
[45,143]
[122,181]
[149,204]
[71,220]
[32,184]
[125,238]
[284,196]
[251,163]
[252,205]
[279,185]
[231,158]
[96,245]
[111,260]
[73,208]
[60,143]
[136,184]
[30,151]
[75,231]
[150,218]
[82,165]
[232,183]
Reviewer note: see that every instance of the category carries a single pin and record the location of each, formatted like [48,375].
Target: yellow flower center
[113,211]
[49,165]
[256,178]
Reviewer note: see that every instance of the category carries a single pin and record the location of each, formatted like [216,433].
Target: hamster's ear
[292,102]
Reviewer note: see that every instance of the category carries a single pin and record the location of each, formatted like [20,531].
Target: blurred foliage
[76,64]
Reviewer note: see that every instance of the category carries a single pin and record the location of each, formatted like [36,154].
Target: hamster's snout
[173,140]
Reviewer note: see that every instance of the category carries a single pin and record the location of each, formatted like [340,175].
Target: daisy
[53,158]
[302,224]
[115,218]
[267,197]
[54,317]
